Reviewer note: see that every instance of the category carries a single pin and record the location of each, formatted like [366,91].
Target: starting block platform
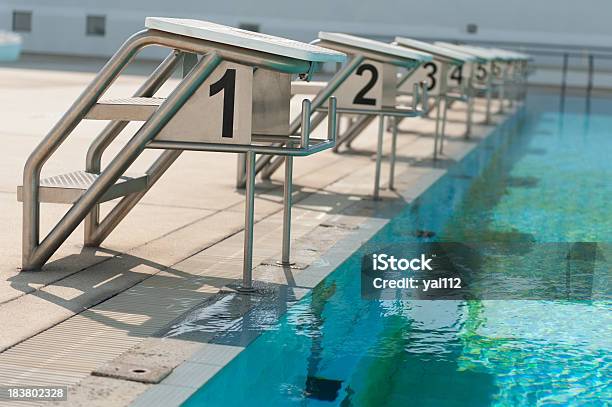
[237,37]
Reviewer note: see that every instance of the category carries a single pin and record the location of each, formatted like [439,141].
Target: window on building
[22,21]
[249,27]
[96,26]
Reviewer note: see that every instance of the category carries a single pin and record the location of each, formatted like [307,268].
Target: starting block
[234,97]
[448,77]
[365,88]
[486,73]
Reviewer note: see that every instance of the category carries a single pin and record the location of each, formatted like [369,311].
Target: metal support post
[240,170]
[249,216]
[489,94]
[471,93]
[288,186]
[379,147]
[443,131]
[441,111]
[590,82]
[393,153]
[287,202]
[514,82]
[564,80]
[502,90]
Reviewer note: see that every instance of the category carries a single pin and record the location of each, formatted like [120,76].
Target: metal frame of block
[99,184]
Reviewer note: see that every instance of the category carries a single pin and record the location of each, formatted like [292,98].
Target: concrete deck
[94,310]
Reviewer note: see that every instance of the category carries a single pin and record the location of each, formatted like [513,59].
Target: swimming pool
[544,180]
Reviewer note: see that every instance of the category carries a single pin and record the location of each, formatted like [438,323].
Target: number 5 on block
[220,111]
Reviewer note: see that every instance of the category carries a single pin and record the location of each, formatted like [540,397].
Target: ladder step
[68,188]
[125,109]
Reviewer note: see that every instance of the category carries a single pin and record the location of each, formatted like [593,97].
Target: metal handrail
[303,145]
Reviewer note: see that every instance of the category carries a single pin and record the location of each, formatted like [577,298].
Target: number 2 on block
[227,84]
[359,98]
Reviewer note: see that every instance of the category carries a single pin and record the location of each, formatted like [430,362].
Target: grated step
[68,188]
[125,109]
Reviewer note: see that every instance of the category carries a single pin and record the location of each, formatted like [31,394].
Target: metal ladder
[86,190]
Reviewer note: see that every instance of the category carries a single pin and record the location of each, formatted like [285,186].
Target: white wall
[59,25]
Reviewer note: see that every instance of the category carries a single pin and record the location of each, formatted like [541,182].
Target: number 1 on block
[227,84]
[220,111]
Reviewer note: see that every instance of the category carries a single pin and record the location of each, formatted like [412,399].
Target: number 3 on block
[363,89]
[220,111]
[428,73]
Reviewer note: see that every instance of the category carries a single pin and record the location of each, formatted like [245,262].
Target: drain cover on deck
[133,372]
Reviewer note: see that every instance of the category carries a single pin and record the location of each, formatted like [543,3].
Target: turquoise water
[543,178]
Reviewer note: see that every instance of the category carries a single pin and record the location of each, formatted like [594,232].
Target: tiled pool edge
[191,374]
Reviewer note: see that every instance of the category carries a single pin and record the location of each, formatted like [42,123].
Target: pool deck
[97,310]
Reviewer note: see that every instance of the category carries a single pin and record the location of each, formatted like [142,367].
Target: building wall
[58,26]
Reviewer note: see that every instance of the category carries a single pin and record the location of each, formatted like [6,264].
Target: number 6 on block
[363,89]
[220,111]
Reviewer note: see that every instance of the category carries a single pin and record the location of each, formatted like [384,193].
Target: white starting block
[486,73]
[234,97]
[365,88]
[501,64]
[447,77]
[506,69]
[496,69]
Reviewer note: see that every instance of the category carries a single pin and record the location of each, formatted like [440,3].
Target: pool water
[542,177]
